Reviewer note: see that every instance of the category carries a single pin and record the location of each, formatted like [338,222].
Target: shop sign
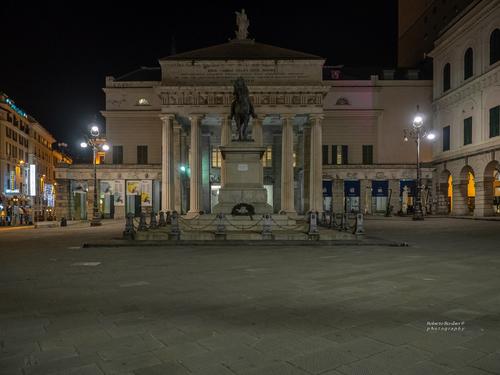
[146,193]
[133,187]
[32,180]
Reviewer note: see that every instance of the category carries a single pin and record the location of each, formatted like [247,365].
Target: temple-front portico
[287,92]
[263,131]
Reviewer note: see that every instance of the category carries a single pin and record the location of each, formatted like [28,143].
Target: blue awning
[380,188]
[412,187]
[327,188]
[351,188]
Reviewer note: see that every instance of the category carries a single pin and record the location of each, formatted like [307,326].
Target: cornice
[490,78]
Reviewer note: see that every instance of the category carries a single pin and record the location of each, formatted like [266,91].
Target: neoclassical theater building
[333,140]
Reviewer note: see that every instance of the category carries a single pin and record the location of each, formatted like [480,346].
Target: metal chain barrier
[290,227]
[244,227]
[185,222]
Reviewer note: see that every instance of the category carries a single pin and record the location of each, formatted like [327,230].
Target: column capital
[167,116]
[316,116]
[195,116]
[287,116]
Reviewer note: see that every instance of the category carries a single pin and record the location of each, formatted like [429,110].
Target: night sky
[55,55]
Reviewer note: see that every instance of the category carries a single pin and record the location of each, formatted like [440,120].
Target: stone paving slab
[252,309]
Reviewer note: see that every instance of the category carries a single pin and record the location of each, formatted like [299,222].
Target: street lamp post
[417,132]
[96,144]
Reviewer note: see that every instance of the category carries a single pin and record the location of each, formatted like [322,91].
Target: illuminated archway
[471,185]
[450,192]
[492,188]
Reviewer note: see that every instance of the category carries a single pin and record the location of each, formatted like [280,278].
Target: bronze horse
[241,108]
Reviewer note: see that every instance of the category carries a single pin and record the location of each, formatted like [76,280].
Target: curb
[225,243]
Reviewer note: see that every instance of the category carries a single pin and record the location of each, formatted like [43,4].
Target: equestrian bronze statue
[241,109]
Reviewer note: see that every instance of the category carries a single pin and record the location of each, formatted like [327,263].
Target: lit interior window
[216,158]
[267,159]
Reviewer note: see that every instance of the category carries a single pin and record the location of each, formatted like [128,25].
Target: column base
[289,213]
[192,214]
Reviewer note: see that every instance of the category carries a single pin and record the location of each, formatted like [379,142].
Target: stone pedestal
[243,178]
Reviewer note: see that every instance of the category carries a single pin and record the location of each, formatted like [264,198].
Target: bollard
[267,233]
[220,229]
[169,218]
[358,227]
[142,223]
[129,231]
[162,222]
[174,229]
[152,222]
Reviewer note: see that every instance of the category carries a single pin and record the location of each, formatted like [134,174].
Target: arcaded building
[466,112]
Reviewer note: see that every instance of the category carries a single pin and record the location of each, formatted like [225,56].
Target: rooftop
[143,74]
[245,49]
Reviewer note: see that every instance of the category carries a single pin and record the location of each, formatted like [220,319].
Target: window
[267,160]
[468,131]
[216,157]
[117,154]
[339,154]
[495,121]
[446,77]
[367,154]
[468,63]
[142,154]
[446,138]
[325,154]
[495,46]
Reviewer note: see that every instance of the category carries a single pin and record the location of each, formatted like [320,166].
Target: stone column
[484,197]
[459,206]
[167,158]
[316,171]
[178,174]
[226,130]
[257,131]
[365,199]
[442,196]
[225,139]
[307,165]
[195,166]
[395,202]
[287,182]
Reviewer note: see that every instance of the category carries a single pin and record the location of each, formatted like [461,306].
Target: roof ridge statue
[241,108]
[242,22]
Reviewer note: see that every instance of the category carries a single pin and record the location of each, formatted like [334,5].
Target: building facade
[466,112]
[27,170]
[420,23]
[331,144]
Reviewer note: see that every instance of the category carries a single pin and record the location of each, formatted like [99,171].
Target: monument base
[243,179]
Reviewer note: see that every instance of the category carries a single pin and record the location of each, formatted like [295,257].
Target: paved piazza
[430,308]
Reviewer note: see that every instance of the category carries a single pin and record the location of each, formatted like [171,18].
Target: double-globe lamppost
[97,144]
[417,133]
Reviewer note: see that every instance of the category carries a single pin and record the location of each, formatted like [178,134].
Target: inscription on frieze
[283,72]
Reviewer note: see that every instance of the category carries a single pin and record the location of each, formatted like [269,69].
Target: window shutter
[344,155]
